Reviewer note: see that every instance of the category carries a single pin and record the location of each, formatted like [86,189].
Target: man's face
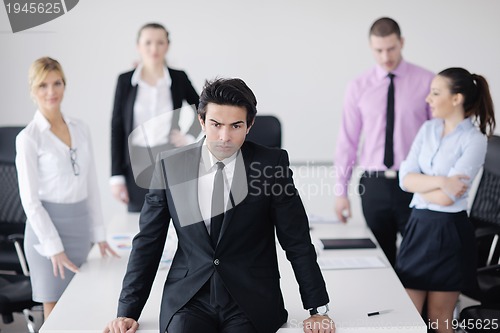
[387,50]
[225,127]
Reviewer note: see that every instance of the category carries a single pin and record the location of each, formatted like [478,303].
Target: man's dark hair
[384,27]
[228,92]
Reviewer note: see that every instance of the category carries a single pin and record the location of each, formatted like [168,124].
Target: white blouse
[152,109]
[46,172]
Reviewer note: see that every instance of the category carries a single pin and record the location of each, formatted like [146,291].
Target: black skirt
[438,252]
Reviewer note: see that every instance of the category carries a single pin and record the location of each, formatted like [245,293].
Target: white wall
[297,56]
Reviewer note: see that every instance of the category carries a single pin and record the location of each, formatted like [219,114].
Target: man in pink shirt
[385,106]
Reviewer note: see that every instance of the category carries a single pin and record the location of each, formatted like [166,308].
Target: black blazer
[246,251]
[123,115]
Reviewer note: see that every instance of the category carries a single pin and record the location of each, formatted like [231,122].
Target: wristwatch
[321,310]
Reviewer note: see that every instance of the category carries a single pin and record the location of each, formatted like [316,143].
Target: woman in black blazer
[146,115]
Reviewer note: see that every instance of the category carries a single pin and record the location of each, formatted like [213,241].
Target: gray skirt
[72,222]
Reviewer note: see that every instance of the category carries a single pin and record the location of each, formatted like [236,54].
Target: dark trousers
[199,316]
[386,210]
[136,194]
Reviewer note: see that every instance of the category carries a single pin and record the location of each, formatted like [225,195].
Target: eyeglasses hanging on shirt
[74,164]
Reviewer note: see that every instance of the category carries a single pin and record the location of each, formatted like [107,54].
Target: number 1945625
[34,8]
[485,325]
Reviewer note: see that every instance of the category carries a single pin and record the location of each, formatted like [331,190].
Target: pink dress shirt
[364,119]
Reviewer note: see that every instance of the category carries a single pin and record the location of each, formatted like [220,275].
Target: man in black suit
[227,199]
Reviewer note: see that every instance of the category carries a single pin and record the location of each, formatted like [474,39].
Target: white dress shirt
[45,173]
[206,176]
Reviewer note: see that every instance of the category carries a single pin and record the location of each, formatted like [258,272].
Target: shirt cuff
[403,172]
[117,180]
[341,189]
[50,248]
[451,196]
[401,180]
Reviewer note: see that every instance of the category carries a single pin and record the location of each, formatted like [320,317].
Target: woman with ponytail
[436,260]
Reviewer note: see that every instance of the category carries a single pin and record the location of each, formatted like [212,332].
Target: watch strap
[315,310]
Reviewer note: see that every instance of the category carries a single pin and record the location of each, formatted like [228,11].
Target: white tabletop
[90,301]
[354,292]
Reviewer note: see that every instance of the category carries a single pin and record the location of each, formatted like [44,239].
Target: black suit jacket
[123,115]
[246,251]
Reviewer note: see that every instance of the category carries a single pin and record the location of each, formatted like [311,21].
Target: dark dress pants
[199,316]
[386,210]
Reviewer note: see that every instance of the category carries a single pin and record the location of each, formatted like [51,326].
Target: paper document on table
[122,242]
[322,219]
[350,262]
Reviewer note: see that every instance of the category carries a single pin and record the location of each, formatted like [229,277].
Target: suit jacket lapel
[182,167]
[192,168]
[129,109]
[175,90]
[176,100]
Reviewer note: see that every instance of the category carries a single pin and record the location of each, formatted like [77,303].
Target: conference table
[361,282]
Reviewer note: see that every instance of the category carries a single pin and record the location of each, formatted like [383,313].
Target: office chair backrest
[486,206]
[11,210]
[15,290]
[8,143]
[266,131]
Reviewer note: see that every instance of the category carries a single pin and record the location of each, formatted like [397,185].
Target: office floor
[19,324]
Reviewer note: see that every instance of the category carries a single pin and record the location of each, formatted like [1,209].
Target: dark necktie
[217,204]
[389,129]
[219,296]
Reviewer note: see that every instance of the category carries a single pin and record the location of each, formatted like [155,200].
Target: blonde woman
[58,188]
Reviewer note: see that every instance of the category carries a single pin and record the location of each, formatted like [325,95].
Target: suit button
[216,262]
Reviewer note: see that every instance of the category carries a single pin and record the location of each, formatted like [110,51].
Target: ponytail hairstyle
[477,98]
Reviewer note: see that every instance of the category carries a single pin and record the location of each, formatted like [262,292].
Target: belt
[388,174]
